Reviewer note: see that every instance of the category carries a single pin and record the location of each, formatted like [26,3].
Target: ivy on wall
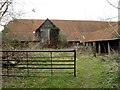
[54,36]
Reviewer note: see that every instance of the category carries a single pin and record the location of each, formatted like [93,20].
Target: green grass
[92,72]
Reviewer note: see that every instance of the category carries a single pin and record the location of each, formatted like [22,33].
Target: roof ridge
[69,20]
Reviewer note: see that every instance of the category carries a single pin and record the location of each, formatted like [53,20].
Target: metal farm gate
[38,63]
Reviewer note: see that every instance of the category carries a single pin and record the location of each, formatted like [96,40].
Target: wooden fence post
[51,63]
[27,63]
[74,63]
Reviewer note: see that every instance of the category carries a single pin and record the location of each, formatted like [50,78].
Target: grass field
[92,72]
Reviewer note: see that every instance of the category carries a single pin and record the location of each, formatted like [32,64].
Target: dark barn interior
[107,46]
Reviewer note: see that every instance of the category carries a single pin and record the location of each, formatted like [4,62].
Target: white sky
[67,9]
[98,10]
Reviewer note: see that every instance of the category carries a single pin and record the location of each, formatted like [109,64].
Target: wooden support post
[108,48]
[99,48]
[94,48]
[119,46]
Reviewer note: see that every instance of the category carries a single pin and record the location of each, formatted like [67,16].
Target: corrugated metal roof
[23,29]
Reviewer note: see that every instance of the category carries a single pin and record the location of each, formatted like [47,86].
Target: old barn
[103,36]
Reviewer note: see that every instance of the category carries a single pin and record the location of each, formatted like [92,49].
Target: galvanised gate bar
[38,62]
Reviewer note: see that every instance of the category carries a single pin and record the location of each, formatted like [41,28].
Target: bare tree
[117,7]
[8,11]
[4,9]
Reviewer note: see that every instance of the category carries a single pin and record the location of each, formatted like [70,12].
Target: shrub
[62,41]
[8,40]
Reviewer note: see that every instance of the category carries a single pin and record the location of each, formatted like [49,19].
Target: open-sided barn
[102,35]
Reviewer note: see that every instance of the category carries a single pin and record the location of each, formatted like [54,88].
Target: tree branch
[112,4]
[5,7]
[5,10]
[3,4]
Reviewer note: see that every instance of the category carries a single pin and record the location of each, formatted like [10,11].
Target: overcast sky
[98,10]
[67,9]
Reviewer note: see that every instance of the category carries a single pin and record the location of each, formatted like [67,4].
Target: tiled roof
[109,33]
[23,29]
